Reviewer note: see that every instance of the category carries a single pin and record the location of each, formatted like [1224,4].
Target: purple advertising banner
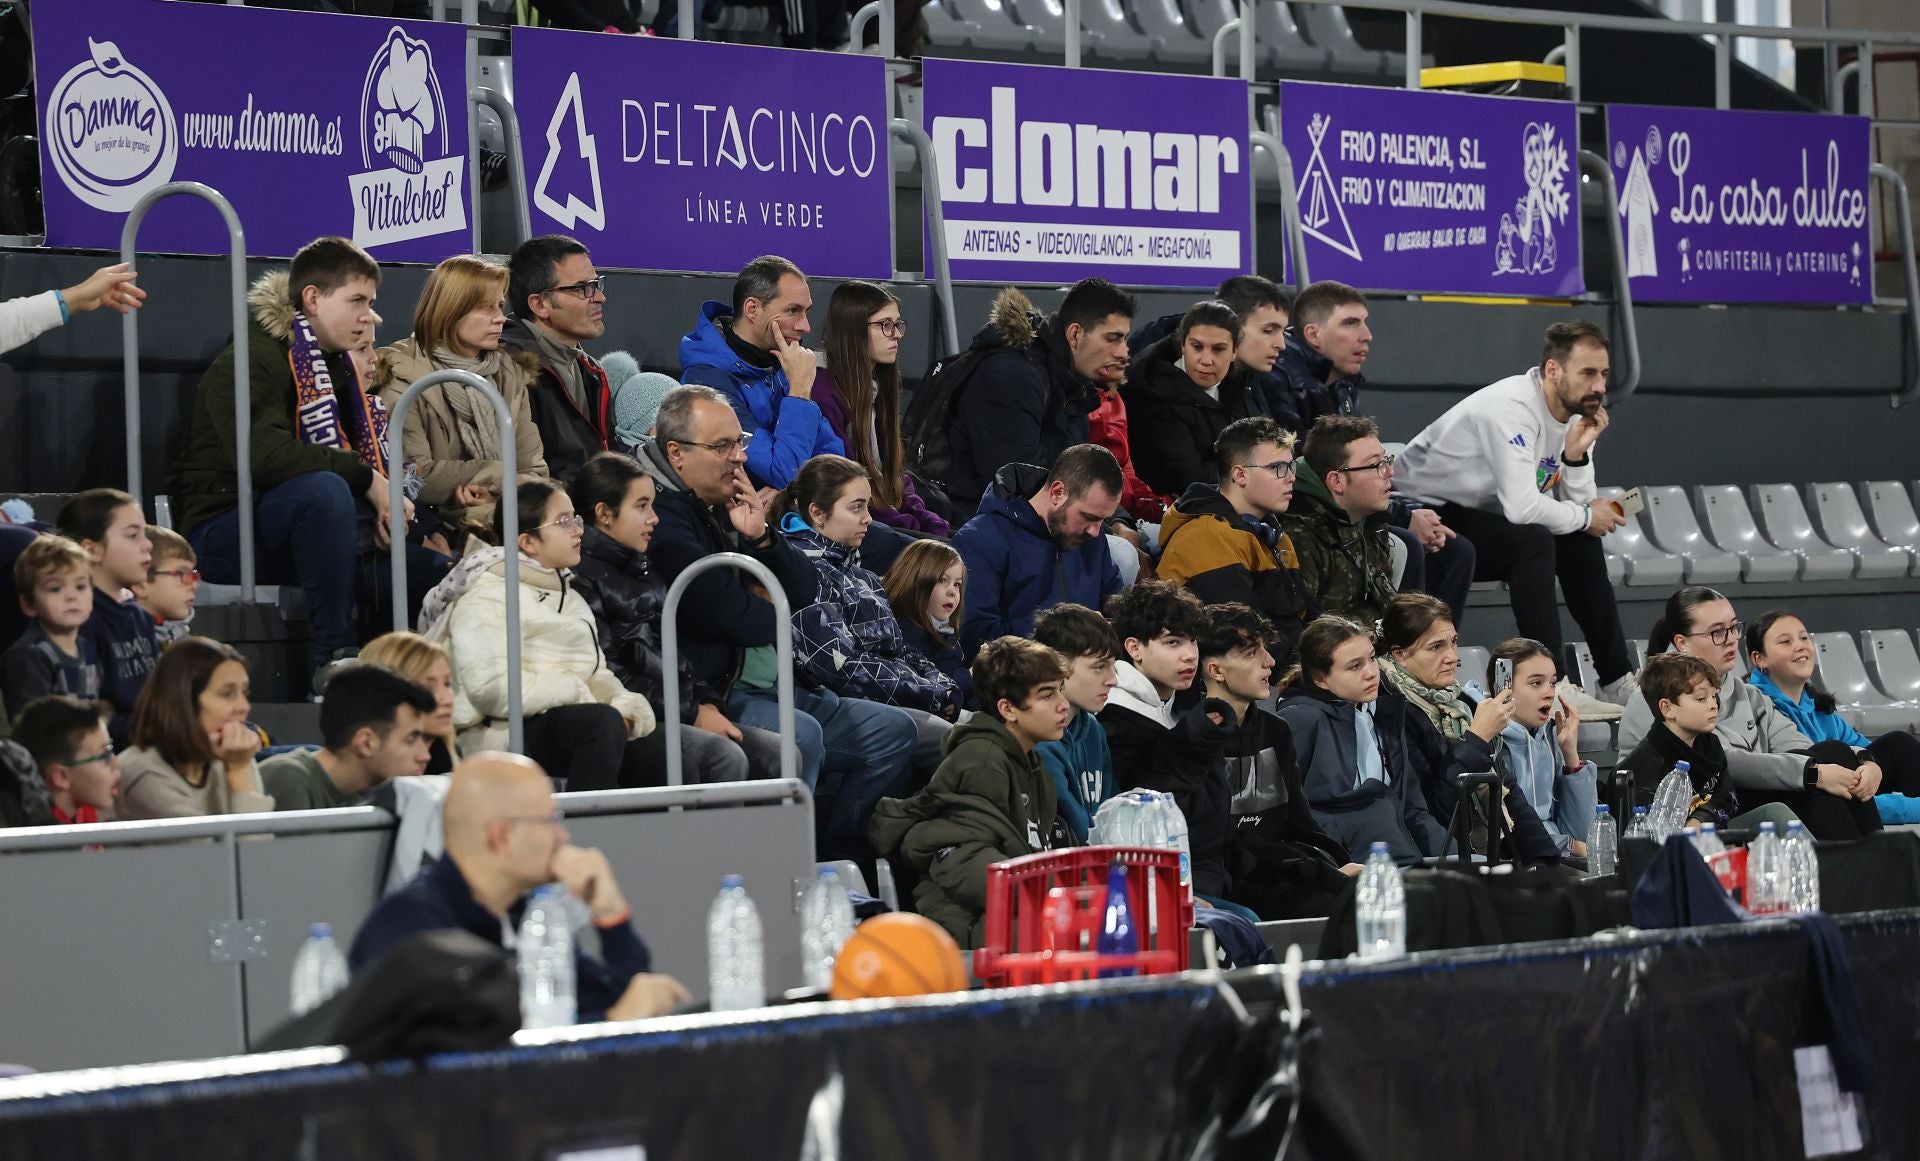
[1051,174]
[691,155]
[308,123]
[1722,205]
[1436,192]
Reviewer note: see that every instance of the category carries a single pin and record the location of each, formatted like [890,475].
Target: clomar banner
[308,123]
[1726,205]
[1436,192]
[690,155]
[1051,173]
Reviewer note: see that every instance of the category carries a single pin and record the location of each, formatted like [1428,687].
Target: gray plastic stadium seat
[1892,663]
[993,24]
[1890,508]
[1473,665]
[1110,32]
[1647,565]
[1639,650]
[1842,673]
[1049,24]
[1784,521]
[1672,525]
[1837,513]
[1731,525]
[1282,44]
[946,27]
[1167,27]
[1327,27]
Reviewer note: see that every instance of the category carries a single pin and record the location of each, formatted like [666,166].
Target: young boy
[51,656]
[1080,763]
[108,524]
[373,728]
[991,799]
[67,738]
[1684,693]
[1159,625]
[1255,842]
[172,585]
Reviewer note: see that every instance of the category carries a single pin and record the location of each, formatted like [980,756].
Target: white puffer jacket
[560,658]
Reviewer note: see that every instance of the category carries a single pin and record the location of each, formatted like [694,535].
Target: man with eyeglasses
[1511,467]
[559,303]
[66,738]
[1224,542]
[1339,520]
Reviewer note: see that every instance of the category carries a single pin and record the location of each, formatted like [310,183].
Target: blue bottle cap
[1378,849]
[728,882]
[1766,828]
[320,931]
[1603,808]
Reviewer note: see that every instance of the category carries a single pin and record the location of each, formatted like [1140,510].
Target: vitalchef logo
[110,132]
[403,126]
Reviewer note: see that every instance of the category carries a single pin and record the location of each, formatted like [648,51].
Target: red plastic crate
[1068,888]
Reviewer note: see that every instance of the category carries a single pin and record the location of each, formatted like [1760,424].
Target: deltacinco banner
[1724,205]
[691,155]
[1052,173]
[308,123]
[1436,192]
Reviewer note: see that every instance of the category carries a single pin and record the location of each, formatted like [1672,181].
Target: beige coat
[432,440]
[150,788]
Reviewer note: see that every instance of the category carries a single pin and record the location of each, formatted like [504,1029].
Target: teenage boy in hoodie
[1159,627]
[991,799]
[1684,694]
[109,527]
[1080,762]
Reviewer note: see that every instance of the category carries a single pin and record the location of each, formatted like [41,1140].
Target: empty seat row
[1766,533]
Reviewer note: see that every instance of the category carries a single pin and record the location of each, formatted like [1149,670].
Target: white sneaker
[1589,708]
[1621,689]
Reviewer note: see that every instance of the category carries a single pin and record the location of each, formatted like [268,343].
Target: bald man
[503,839]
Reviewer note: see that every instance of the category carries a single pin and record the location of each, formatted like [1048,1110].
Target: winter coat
[1298,390]
[627,597]
[1014,568]
[989,801]
[1179,755]
[943,649]
[204,483]
[1221,555]
[432,440]
[912,515]
[787,430]
[560,658]
[121,635]
[1107,426]
[1817,726]
[1765,750]
[848,641]
[1081,766]
[1183,419]
[569,435]
[1714,798]
[1271,837]
[1348,567]
[1024,404]
[1358,814]
[1437,762]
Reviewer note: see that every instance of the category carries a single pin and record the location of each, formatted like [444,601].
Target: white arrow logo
[574,210]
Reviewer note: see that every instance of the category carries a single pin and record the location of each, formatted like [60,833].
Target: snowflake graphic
[1526,244]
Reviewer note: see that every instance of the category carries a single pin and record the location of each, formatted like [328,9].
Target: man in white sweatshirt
[1511,468]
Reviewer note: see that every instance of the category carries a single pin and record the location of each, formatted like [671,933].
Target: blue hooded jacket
[1818,727]
[1014,568]
[1082,769]
[786,432]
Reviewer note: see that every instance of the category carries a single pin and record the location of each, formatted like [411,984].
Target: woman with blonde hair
[421,660]
[452,440]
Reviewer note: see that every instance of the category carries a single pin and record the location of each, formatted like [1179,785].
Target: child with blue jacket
[1080,763]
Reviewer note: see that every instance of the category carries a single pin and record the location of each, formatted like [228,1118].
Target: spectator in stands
[925,587]
[1223,542]
[1781,652]
[192,747]
[319,450]
[1540,749]
[991,800]
[1682,692]
[67,738]
[1446,728]
[108,524]
[52,655]
[1080,763]
[559,304]
[707,505]
[1263,309]
[858,393]
[1255,843]
[172,587]
[427,664]
[1158,627]
[1511,467]
[627,597]
[1826,784]
[23,320]
[452,437]
[1035,381]
[1107,426]
[1185,390]
[1338,523]
[750,352]
[578,717]
[1037,541]
[372,729]
[1353,763]
[503,839]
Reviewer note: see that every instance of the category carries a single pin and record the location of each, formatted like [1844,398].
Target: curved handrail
[1903,214]
[782,647]
[242,364]
[1289,204]
[1624,385]
[936,218]
[872,9]
[516,161]
[1220,36]
[509,514]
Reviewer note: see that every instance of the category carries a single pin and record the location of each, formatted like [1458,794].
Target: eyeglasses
[591,289]
[105,755]
[186,576]
[1720,634]
[1379,467]
[893,328]
[573,523]
[722,448]
[1281,469]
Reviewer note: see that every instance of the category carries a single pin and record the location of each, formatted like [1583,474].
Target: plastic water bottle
[1118,936]
[545,949]
[1767,876]
[1638,827]
[735,976]
[1671,800]
[1602,843]
[1380,912]
[1803,868]
[1173,823]
[826,921]
[318,971]
[1706,840]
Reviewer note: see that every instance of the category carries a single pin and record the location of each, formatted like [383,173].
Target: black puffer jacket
[1024,404]
[627,598]
[1176,421]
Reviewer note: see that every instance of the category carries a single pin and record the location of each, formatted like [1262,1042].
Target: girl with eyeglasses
[1826,784]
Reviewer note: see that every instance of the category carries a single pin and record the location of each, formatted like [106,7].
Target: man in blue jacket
[1037,541]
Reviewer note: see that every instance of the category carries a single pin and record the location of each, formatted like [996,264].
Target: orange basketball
[898,955]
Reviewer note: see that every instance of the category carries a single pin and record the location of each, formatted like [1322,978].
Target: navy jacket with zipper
[1358,814]
[1014,568]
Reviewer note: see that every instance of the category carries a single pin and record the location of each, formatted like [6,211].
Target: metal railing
[1259,141]
[1625,380]
[873,9]
[242,364]
[782,647]
[935,216]
[509,523]
[516,161]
